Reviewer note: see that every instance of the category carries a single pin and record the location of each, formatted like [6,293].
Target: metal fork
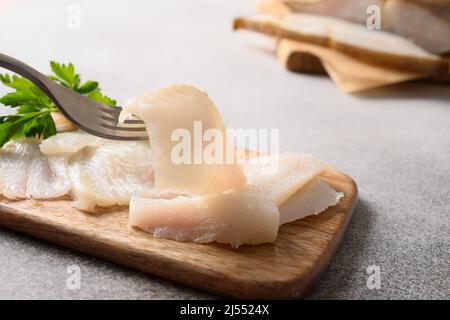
[90,116]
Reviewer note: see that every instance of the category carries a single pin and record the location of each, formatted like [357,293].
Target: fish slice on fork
[95,118]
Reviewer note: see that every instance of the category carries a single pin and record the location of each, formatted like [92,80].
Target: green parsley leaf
[5,129]
[15,81]
[17,98]
[65,74]
[34,108]
[49,127]
[27,109]
[87,87]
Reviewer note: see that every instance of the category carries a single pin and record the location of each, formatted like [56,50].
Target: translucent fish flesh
[101,172]
[185,112]
[292,171]
[70,142]
[231,217]
[313,198]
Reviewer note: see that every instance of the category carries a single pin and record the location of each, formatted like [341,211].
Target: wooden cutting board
[288,268]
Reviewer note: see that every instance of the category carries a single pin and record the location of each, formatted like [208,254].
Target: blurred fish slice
[409,19]
[352,10]
[428,26]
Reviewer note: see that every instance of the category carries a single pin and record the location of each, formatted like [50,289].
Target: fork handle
[39,79]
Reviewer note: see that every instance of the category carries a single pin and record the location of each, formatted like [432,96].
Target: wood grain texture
[288,268]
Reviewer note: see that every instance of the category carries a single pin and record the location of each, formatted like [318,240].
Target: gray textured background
[394,142]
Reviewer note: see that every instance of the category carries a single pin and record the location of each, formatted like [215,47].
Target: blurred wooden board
[288,268]
[348,73]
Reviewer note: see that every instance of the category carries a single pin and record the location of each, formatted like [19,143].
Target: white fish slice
[173,110]
[232,217]
[70,142]
[109,174]
[101,172]
[313,198]
[291,172]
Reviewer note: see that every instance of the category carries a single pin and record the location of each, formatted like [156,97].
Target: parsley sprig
[33,107]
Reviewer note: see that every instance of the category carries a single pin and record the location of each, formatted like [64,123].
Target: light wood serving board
[288,268]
